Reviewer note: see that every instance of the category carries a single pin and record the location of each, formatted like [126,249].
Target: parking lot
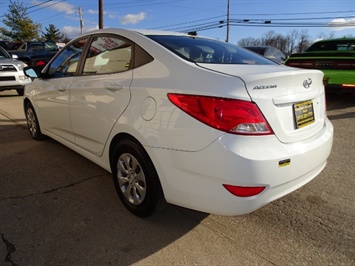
[58,208]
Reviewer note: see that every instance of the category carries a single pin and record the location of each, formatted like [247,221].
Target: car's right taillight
[229,115]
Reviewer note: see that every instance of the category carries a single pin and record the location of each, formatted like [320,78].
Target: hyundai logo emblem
[307,83]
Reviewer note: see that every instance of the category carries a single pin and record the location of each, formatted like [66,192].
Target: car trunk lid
[292,100]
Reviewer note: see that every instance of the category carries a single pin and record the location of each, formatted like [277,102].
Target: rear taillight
[40,63]
[300,63]
[344,64]
[241,191]
[322,64]
[293,64]
[229,115]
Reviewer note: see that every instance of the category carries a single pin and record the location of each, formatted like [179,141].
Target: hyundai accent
[181,119]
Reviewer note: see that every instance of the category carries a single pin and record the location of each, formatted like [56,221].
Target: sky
[248,18]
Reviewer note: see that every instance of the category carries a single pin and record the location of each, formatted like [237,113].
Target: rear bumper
[15,87]
[195,179]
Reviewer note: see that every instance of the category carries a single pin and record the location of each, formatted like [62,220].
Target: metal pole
[101,14]
[228,20]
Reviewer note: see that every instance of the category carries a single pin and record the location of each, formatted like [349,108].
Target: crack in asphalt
[10,249]
[53,189]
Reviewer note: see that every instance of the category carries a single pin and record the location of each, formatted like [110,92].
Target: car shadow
[58,207]
[339,101]
[338,105]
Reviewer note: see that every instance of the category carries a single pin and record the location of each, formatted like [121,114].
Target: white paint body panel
[192,159]
[96,103]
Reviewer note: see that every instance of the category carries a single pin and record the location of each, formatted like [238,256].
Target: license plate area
[303,113]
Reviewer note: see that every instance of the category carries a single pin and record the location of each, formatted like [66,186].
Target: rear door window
[108,54]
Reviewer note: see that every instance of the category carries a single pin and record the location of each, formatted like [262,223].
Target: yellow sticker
[284,163]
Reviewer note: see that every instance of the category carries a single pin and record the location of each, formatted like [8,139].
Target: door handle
[114,88]
[62,89]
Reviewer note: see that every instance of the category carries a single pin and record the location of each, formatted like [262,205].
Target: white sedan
[183,119]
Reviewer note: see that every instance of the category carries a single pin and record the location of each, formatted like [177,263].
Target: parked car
[335,57]
[4,44]
[35,53]
[9,45]
[269,52]
[187,120]
[11,73]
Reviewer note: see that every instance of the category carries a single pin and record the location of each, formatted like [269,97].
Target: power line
[46,5]
[319,18]
[301,13]
[39,4]
[268,19]
[258,23]
[189,22]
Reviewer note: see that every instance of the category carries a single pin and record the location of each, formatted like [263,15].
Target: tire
[20,92]
[136,181]
[32,123]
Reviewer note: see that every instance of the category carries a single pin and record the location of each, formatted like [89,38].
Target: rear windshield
[336,45]
[203,50]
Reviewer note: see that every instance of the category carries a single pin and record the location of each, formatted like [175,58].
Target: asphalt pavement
[58,208]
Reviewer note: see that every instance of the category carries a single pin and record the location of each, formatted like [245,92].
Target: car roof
[337,39]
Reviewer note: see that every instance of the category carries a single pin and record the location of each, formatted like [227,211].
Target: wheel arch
[25,102]
[116,139]
[126,136]
[158,182]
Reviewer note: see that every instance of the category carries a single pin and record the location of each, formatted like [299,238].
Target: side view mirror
[33,71]
[14,56]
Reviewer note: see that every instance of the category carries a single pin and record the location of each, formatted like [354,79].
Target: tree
[2,36]
[66,39]
[271,38]
[21,27]
[249,42]
[323,36]
[293,42]
[304,41]
[53,34]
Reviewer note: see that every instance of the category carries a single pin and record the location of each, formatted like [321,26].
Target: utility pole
[228,20]
[101,14]
[81,20]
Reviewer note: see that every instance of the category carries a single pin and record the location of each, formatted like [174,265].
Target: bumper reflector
[240,191]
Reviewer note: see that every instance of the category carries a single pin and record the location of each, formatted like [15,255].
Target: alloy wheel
[131,179]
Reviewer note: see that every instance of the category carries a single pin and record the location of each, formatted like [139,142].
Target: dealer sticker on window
[304,114]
